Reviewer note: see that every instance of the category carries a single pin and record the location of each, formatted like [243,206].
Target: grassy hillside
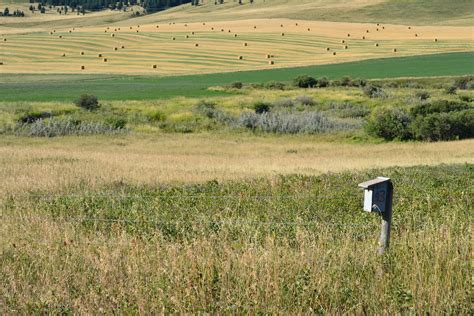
[416,12]
[68,87]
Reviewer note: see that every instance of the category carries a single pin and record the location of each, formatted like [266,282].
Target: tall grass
[290,244]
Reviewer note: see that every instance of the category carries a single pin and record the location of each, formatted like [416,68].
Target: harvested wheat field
[187,48]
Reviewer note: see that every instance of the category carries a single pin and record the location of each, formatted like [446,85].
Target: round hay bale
[416,35]
[229,31]
[192,33]
[271,62]
[377,29]
[63,55]
[137,31]
[296,24]
[82,53]
[346,47]
[1,63]
[99,55]
[70,31]
[173,38]
[235,35]
[328,49]
[363,37]
[60,36]
[119,28]
[112,35]
[138,26]
[212,29]
[334,53]
[246,44]
[115,48]
[154,66]
[54,31]
[222,30]
[108,27]
[50,33]
[105,60]
[378,24]
[376,44]
[203,23]
[105,31]
[131,27]
[254,26]
[268,56]
[241,57]
[309,29]
[196,45]
[348,35]
[435,40]
[394,50]
[282,34]
[187,36]
[83,67]
[115,30]
[383,27]
[367,31]
[281,25]
[123,46]
[185,25]
[343,41]
[157,26]
[409,27]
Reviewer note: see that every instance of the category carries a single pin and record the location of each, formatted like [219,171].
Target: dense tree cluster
[95,5]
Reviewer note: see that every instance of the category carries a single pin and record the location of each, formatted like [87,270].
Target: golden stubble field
[207,47]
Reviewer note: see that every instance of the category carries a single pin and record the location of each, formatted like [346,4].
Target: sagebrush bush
[464,83]
[87,102]
[58,127]
[451,90]
[389,123]
[284,103]
[349,110]
[374,91]
[422,95]
[290,123]
[323,82]
[155,116]
[116,122]
[206,108]
[304,100]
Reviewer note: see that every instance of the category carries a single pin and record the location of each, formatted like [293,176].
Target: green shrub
[323,82]
[155,116]
[422,95]
[236,85]
[444,126]
[262,107]
[116,122]
[87,102]
[305,81]
[465,98]
[439,106]
[275,85]
[304,100]
[451,90]
[31,117]
[389,124]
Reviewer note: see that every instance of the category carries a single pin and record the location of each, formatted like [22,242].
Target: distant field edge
[37,87]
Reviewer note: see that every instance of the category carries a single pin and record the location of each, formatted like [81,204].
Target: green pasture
[29,87]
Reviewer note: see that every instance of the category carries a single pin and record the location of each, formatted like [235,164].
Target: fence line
[174,222]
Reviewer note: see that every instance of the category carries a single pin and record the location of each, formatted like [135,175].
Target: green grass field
[68,87]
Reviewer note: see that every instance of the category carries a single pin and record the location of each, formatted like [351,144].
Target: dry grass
[37,164]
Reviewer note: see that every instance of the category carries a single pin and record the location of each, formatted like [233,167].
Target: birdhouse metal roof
[373,182]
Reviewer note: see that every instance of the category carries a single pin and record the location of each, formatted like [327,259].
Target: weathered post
[378,198]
